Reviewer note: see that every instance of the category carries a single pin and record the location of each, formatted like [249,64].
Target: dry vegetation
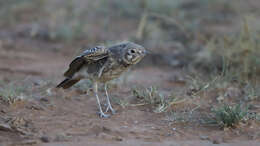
[203,72]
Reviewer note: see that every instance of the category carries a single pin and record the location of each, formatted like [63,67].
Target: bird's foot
[103,115]
[111,109]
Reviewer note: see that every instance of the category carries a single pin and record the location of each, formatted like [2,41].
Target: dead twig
[177,102]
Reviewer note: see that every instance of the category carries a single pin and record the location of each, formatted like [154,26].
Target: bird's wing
[96,53]
[87,57]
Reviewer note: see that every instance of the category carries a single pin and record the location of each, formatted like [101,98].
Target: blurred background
[178,32]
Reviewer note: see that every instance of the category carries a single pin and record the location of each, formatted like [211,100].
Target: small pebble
[124,126]
[215,141]
[204,137]
[45,139]
[44,99]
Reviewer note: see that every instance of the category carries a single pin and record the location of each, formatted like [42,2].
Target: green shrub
[230,116]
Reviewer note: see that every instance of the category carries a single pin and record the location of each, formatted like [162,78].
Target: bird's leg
[102,114]
[109,107]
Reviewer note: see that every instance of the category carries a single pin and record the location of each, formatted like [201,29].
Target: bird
[102,64]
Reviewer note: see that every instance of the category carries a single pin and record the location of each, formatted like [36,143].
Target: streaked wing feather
[88,56]
[96,53]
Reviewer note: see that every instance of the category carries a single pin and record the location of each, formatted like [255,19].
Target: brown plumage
[101,64]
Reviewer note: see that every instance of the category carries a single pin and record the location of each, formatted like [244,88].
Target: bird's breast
[114,71]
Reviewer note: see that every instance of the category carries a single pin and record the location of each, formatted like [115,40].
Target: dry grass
[237,53]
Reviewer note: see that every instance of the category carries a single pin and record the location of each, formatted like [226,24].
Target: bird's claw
[103,115]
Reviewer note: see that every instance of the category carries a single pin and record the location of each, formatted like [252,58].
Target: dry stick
[177,102]
[141,26]
[171,103]
[198,106]
[143,21]
[138,104]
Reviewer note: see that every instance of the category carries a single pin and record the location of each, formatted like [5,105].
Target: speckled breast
[111,74]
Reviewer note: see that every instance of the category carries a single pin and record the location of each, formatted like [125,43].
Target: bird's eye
[132,51]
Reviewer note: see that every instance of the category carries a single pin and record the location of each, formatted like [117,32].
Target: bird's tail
[67,83]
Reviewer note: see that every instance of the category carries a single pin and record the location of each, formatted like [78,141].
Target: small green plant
[230,116]
[151,96]
[179,117]
[251,92]
[123,103]
[11,93]
[197,84]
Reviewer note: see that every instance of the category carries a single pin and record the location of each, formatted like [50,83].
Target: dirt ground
[68,117]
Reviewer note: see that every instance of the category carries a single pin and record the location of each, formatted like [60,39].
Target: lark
[102,64]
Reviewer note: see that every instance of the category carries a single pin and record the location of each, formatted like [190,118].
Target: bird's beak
[147,52]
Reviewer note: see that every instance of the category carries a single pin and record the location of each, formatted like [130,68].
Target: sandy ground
[68,118]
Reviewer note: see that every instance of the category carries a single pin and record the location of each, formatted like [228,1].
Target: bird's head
[132,53]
